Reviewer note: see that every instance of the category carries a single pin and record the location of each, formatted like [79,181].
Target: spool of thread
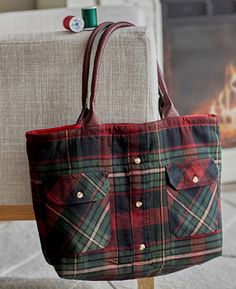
[73,23]
[90,18]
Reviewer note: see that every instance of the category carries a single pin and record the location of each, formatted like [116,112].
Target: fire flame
[225,104]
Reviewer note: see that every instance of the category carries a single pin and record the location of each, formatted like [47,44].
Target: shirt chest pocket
[193,197]
[77,210]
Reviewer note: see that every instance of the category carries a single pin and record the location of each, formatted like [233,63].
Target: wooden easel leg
[146,283]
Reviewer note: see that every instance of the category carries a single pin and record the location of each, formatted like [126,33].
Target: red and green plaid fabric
[117,201]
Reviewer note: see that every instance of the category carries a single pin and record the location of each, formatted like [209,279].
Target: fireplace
[200,59]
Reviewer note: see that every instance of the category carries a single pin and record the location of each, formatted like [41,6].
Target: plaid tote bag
[122,201]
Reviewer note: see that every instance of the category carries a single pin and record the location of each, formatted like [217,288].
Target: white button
[195,179]
[137,161]
[80,195]
[139,204]
[142,247]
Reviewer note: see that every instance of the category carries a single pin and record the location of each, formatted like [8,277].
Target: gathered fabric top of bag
[119,201]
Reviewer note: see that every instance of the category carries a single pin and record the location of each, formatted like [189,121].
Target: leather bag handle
[166,107]
[86,66]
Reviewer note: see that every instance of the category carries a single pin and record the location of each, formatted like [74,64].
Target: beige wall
[14,5]
[43,4]
[81,3]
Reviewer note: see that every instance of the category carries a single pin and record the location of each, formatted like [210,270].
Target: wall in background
[44,4]
[82,3]
[15,5]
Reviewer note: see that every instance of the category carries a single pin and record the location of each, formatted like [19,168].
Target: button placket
[137,205]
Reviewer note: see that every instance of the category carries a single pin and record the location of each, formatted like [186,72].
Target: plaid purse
[122,201]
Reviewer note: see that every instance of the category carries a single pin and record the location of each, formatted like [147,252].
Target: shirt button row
[139,204]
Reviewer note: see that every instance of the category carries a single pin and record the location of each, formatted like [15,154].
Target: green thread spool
[89,16]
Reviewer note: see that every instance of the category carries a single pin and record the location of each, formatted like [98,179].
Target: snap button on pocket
[195,179]
[80,195]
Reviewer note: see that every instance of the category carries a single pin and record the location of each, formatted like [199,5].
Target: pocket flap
[77,188]
[192,174]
